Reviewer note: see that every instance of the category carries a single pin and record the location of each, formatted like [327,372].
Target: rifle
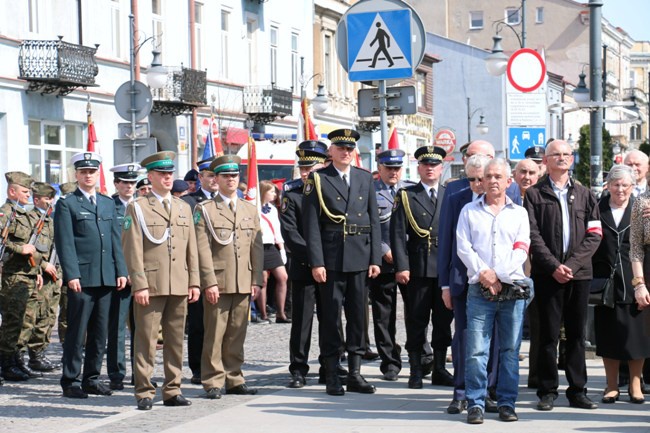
[5,232]
[37,231]
[54,260]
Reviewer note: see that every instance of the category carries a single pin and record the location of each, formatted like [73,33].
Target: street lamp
[320,101]
[481,127]
[497,62]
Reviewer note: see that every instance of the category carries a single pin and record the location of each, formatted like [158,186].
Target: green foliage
[583,166]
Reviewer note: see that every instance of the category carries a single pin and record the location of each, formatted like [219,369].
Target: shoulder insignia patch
[197,216]
[396,202]
[309,186]
[128,222]
[285,204]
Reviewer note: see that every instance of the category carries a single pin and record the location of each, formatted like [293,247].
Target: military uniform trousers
[63,314]
[304,297]
[169,311]
[425,304]
[347,290]
[87,332]
[115,348]
[52,294]
[383,300]
[195,336]
[14,297]
[39,317]
[225,325]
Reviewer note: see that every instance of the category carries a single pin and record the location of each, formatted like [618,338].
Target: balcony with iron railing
[56,67]
[184,90]
[265,103]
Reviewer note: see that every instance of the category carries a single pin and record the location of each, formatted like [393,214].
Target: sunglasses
[475,179]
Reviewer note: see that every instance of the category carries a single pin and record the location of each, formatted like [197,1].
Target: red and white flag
[251,187]
[393,139]
[306,129]
[91,147]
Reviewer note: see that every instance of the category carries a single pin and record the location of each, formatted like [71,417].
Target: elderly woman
[619,330]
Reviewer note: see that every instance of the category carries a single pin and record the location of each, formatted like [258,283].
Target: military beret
[19,178]
[43,189]
[180,186]
[191,175]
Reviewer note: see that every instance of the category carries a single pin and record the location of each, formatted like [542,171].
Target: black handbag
[601,291]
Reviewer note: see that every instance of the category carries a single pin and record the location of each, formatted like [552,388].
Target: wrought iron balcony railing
[264,103]
[57,66]
[185,89]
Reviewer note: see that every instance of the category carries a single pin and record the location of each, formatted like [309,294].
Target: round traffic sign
[526,70]
[141,104]
[446,138]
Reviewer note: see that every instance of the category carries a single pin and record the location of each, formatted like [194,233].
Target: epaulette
[105,195]
[243,200]
[408,183]
[361,168]
[293,185]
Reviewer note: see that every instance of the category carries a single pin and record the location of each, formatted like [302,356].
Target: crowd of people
[494,252]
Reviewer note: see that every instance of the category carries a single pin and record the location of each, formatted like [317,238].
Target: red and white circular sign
[205,125]
[446,138]
[526,70]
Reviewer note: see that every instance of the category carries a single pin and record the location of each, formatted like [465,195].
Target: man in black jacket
[565,231]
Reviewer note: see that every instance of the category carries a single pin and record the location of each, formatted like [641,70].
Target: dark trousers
[195,336]
[533,318]
[425,304]
[554,301]
[115,348]
[304,297]
[383,299]
[350,291]
[87,331]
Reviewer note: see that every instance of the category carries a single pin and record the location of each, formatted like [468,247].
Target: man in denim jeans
[493,238]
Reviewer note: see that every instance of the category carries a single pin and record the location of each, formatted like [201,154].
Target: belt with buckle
[348,229]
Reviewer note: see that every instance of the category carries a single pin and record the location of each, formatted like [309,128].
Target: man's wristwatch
[637,280]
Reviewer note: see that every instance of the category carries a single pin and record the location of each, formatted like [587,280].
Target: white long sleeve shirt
[486,241]
[271,236]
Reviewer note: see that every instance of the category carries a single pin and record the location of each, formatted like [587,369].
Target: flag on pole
[306,130]
[393,140]
[251,187]
[213,146]
[92,139]
[357,158]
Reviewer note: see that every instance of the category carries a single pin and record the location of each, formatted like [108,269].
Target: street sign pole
[383,116]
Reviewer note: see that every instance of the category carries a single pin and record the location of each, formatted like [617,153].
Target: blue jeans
[482,315]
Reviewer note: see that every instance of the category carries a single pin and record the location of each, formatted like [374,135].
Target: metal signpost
[379,40]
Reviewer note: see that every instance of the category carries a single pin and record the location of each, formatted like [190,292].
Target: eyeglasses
[393,168]
[560,155]
[475,179]
[345,149]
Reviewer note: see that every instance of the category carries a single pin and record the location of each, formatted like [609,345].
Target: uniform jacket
[237,265]
[291,216]
[19,234]
[410,251]
[329,248]
[87,240]
[385,202]
[45,241]
[169,268]
[545,215]
[605,256]
[195,198]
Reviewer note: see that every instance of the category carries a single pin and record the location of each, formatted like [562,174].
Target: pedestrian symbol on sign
[383,41]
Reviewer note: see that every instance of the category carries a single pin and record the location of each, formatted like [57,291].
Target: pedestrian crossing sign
[379,45]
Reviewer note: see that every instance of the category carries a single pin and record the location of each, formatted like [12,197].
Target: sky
[630,15]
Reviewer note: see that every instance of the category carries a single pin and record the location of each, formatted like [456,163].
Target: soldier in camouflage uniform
[65,188]
[19,277]
[40,313]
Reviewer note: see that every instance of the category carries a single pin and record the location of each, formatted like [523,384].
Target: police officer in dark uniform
[311,156]
[125,177]
[88,241]
[143,186]
[207,179]
[414,242]
[343,235]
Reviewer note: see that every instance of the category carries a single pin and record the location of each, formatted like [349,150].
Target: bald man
[639,163]
[526,175]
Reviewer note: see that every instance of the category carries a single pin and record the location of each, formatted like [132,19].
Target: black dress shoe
[475,416]
[213,394]
[545,402]
[116,385]
[370,355]
[390,375]
[635,400]
[177,400]
[581,401]
[356,383]
[456,407]
[242,389]
[507,414]
[297,381]
[281,320]
[442,377]
[491,405]
[145,403]
[196,379]
[610,399]
[74,392]
[97,389]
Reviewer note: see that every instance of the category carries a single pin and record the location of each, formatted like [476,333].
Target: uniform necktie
[231,205]
[211,195]
[392,191]
[168,209]
[432,193]
[345,179]
[92,200]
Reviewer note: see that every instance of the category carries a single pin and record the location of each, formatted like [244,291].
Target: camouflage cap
[43,189]
[19,178]
[67,188]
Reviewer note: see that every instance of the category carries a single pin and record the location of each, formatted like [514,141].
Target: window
[295,64]
[632,83]
[251,38]
[476,20]
[198,34]
[421,89]
[157,24]
[327,62]
[513,16]
[539,15]
[274,55]
[51,145]
[635,132]
[33,13]
[116,37]
[225,20]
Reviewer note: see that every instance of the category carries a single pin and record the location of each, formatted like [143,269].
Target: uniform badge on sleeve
[128,222]
[285,204]
[396,202]
[197,217]
[309,186]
